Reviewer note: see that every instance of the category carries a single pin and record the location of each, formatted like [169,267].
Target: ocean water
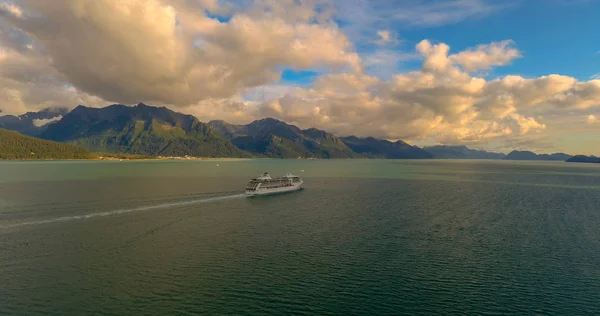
[364,237]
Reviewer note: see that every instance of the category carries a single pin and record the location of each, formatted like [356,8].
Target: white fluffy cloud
[486,56]
[592,119]
[386,37]
[201,56]
[172,52]
[443,100]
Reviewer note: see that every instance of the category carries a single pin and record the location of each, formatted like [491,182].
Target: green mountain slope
[142,130]
[273,138]
[378,148]
[18,146]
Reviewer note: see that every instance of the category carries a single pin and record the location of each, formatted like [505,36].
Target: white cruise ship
[264,184]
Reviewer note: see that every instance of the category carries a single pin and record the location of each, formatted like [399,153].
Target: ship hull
[262,191]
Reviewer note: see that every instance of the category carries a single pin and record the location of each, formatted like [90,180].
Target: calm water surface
[365,237]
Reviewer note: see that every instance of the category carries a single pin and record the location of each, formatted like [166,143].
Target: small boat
[265,184]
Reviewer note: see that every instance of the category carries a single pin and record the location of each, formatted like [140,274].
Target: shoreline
[102,158]
[137,159]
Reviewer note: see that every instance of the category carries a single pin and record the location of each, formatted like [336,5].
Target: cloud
[481,58]
[384,63]
[527,123]
[360,19]
[11,9]
[434,13]
[42,122]
[386,37]
[172,52]
[417,13]
[487,56]
[592,119]
[28,82]
[442,101]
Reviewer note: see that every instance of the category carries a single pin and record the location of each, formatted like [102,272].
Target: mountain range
[277,139]
[379,148]
[32,123]
[461,152]
[528,155]
[272,138]
[148,130]
[140,129]
[585,159]
[153,131]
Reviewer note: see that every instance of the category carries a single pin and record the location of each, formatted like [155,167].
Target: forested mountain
[528,155]
[18,146]
[378,148]
[140,129]
[274,138]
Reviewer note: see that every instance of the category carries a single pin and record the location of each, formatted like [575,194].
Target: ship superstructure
[265,184]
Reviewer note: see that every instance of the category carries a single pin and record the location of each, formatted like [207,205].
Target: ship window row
[276,184]
[272,186]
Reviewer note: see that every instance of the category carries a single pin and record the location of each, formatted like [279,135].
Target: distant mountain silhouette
[585,159]
[377,148]
[32,123]
[273,138]
[140,129]
[461,152]
[528,155]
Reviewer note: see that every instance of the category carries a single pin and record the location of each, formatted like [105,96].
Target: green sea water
[364,237]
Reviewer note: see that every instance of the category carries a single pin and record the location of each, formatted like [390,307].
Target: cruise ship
[265,184]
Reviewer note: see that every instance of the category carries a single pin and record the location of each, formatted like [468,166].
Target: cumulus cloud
[526,123]
[28,82]
[443,100]
[386,37]
[592,119]
[173,52]
[487,56]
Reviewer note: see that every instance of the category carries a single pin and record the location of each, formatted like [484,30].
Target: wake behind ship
[265,184]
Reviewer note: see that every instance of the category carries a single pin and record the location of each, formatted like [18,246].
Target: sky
[488,74]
